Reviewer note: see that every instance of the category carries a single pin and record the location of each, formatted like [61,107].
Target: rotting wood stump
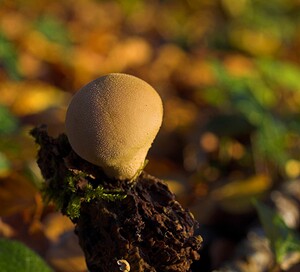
[138,222]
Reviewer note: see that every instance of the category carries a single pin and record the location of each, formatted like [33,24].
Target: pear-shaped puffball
[112,122]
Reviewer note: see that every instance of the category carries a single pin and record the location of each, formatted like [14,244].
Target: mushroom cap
[112,122]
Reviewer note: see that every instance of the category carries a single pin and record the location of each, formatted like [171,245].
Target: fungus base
[140,221]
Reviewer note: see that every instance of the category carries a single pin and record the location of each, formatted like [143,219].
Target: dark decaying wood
[148,228]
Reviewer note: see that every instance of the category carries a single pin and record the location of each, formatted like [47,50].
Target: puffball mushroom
[112,122]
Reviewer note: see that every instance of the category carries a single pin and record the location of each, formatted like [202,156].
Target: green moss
[69,197]
[73,208]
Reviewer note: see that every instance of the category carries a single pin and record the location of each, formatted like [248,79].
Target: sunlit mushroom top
[112,122]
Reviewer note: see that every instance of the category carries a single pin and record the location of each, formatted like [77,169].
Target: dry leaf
[17,194]
[66,255]
[55,224]
[25,98]
[237,196]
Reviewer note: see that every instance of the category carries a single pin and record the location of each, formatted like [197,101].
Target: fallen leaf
[16,194]
[237,196]
[66,255]
[55,224]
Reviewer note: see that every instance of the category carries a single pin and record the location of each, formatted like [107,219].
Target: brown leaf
[66,255]
[16,194]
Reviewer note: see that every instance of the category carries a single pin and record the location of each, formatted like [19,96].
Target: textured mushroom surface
[148,228]
[112,122]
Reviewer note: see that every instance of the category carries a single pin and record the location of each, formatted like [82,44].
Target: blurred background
[229,76]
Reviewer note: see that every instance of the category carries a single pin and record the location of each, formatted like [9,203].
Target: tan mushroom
[112,122]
